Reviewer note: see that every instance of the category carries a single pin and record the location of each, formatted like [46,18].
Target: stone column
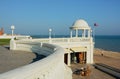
[76,32]
[88,57]
[69,59]
[71,33]
[91,52]
[89,33]
[84,33]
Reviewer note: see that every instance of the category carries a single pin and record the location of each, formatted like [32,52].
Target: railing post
[68,40]
[12,44]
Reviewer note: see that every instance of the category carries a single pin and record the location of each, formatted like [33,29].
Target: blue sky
[35,17]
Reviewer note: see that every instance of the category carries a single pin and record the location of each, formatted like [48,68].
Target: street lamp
[50,30]
[12,28]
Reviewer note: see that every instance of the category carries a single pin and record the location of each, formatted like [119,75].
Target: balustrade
[58,40]
[46,68]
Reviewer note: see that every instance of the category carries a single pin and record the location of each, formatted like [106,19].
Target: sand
[109,57]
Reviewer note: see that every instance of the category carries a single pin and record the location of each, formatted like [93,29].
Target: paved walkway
[13,59]
[95,73]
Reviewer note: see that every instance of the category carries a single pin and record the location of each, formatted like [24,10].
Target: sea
[105,42]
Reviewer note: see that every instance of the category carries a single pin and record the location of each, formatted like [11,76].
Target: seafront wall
[50,67]
[80,44]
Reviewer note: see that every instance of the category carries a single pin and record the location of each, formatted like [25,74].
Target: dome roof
[80,24]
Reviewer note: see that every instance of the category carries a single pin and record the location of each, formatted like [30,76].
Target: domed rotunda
[81,25]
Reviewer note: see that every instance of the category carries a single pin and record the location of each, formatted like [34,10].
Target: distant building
[1,31]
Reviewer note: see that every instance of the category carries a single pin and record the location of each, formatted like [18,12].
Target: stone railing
[63,40]
[50,67]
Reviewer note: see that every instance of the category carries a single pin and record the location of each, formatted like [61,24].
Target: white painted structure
[46,68]
[15,36]
[82,42]
[53,67]
[81,25]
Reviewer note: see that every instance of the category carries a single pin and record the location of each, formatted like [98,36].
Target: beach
[110,58]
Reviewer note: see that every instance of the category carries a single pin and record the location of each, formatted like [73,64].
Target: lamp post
[50,30]
[12,43]
[12,28]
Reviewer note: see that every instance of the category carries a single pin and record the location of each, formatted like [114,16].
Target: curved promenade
[10,60]
[50,67]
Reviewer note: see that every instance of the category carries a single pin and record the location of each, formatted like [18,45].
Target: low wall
[59,40]
[50,67]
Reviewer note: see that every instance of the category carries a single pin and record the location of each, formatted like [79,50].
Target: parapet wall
[50,67]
